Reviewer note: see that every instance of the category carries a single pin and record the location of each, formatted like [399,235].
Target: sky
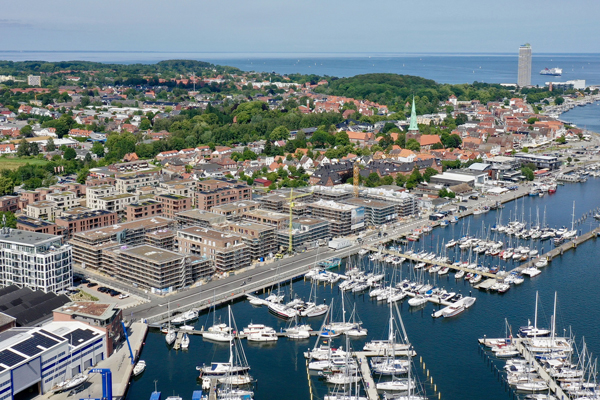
[301,26]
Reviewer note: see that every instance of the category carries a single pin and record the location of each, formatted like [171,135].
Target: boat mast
[573,217]
[535,317]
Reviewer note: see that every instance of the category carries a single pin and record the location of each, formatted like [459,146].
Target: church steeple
[413,127]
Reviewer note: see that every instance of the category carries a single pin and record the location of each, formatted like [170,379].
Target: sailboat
[533,331]
[298,331]
[218,332]
[185,342]
[389,365]
[312,309]
[237,363]
[358,330]
[171,334]
[343,326]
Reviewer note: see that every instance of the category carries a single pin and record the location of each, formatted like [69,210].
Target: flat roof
[89,309]
[251,225]
[116,196]
[266,213]
[369,203]
[308,221]
[151,253]
[18,236]
[173,196]
[207,232]
[236,205]
[107,231]
[33,222]
[74,216]
[332,205]
[200,215]
[536,157]
[454,177]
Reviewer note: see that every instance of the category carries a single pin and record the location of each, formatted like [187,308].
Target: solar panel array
[30,346]
[52,335]
[10,358]
[80,336]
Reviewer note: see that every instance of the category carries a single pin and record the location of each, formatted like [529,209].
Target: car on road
[113,292]
[92,284]
[84,281]
[123,296]
[243,283]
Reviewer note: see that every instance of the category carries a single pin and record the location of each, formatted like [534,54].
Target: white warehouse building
[39,358]
[35,260]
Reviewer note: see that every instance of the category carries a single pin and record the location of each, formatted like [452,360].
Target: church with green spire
[413,128]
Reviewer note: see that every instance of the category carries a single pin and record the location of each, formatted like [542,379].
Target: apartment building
[129,183]
[143,209]
[234,211]
[88,246]
[306,232]
[197,217]
[216,192]
[163,238]
[405,204]
[64,200]
[26,223]
[225,250]
[35,260]
[84,220]
[9,203]
[376,212]
[161,271]
[116,202]
[259,238]
[345,219]
[96,192]
[41,210]
[184,187]
[260,216]
[173,204]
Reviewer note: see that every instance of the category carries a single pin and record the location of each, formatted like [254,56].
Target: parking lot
[101,291]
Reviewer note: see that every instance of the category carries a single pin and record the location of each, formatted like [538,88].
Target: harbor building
[540,161]
[306,232]
[226,251]
[104,316]
[524,78]
[84,220]
[235,211]
[377,212]
[33,360]
[259,238]
[28,307]
[278,220]
[35,260]
[161,271]
[344,219]
[88,246]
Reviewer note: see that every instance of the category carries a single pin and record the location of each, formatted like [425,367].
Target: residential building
[35,359]
[163,238]
[41,210]
[234,211]
[34,80]
[377,212]
[35,260]
[9,203]
[259,238]
[306,232]
[260,216]
[75,221]
[524,78]
[94,193]
[63,200]
[129,183]
[88,246]
[405,204]
[143,209]
[226,251]
[216,192]
[199,218]
[540,161]
[344,219]
[116,202]
[173,204]
[26,223]
[106,317]
[161,271]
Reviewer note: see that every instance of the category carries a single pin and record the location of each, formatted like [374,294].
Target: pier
[365,372]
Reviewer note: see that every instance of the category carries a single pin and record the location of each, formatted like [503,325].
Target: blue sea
[443,68]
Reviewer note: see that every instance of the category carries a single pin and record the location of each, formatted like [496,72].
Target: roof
[92,309]
[152,254]
[27,306]
[28,238]
[479,166]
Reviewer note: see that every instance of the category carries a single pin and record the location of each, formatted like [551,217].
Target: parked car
[123,296]
[92,284]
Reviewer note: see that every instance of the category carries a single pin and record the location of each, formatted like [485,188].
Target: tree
[387,180]
[34,149]
[268,148]
[145,124]
[412,144]
[559,100]
[27,131]
[70,154]
[561,140]
[11,220]
[50,146]
[429,172]
[98,149]
[87,159]
[461,119]
[400,180]
[82,176]
[437,146]
[342,139]
[372,180]
[280,133]
[7,186]
[446,193]
[569,159]
[532,120]
[23,149]
[414,178]
[528,173]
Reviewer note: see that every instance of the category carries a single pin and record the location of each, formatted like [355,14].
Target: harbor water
[447,346]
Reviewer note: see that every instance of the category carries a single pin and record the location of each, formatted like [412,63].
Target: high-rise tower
[524,78]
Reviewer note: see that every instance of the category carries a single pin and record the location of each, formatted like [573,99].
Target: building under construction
[377,212]
[344,219]
[259,238]
[306,232]
[406,204]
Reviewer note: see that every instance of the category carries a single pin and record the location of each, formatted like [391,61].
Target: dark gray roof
[29,307]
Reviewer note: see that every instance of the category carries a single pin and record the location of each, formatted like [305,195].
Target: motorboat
[356,332]
[139,367]
[396,385]
[256,328]
[187,316]
[263,336]
[453,310]
[417,301]
[282,311]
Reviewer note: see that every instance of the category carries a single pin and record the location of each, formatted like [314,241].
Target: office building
[540,161]
[226,251]
[35,260]
[405,204]
[30,308]
[524,78]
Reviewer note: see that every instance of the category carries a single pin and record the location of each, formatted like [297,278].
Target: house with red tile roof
[426,141]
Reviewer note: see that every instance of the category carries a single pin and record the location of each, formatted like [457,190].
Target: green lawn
[14,163]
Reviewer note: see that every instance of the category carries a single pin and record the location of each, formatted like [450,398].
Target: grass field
[14,163]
